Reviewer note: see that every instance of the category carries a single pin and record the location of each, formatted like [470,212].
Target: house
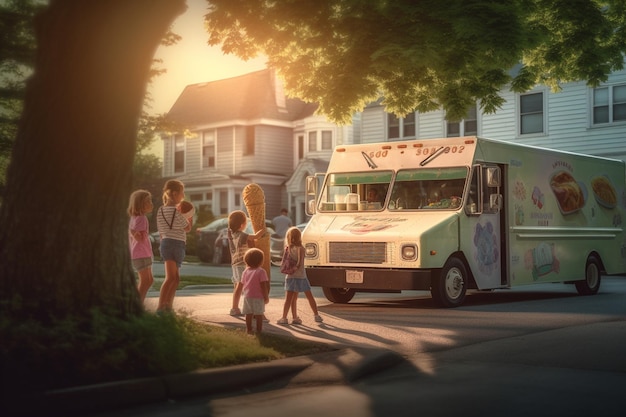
[577,119]
[244,129]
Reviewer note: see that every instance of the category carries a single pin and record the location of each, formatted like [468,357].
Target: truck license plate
[354,277]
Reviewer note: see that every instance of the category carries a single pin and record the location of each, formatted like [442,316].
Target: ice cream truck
[456,214]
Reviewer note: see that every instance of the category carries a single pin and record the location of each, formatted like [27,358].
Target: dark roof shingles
[248,97]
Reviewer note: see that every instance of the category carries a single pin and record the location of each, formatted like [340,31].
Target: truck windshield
[428,188]
[355,191]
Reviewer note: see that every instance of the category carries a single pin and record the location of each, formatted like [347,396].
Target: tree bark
[64,245]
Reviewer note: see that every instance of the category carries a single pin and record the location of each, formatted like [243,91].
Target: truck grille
[357,252]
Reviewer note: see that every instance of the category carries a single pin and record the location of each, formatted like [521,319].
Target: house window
[208,149]
[393,126]
[223,202]
[531,113]
[249,145]
[466,127]
[327,139]
[609,104]
[312,141]
[398,128]
[300,147]
[179,154]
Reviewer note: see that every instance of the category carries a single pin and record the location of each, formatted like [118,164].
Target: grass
[99,348]
[186,280]
[188,258]
[216,346]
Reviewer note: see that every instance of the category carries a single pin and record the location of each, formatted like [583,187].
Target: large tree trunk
[63,222]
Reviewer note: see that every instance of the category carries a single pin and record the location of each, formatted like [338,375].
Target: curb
[350,365]
[124,394]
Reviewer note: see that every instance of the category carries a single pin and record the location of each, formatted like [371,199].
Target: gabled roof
[248,97]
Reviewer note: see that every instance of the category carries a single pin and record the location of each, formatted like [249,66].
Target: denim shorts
[142,263]
[173,250]
[297,284]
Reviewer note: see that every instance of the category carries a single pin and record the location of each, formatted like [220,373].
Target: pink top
[251,280]
[139,248]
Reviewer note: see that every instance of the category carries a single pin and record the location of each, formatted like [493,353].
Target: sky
[192,60]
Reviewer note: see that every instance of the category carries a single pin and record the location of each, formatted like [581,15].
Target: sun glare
[192,60]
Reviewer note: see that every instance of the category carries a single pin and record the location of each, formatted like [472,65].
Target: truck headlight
[310,250]
[409,252]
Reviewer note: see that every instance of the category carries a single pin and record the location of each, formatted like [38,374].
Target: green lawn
[186,280]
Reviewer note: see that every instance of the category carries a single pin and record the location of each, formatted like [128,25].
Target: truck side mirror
[493,176]
[495,202]
[311,194]
[311,185]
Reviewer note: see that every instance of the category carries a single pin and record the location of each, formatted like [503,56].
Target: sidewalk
[344,365]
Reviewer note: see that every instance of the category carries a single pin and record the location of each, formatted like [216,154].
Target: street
[409,322]
[540,350]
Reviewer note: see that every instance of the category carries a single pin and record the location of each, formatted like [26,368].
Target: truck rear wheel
[591,284]
[338,295]
[449,288]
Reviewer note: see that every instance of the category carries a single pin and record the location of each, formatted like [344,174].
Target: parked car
[277,246]
[206,236]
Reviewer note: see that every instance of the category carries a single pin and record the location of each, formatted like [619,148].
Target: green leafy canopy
[424,54]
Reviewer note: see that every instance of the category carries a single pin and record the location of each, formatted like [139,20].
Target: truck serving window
[428,189]
[354,191]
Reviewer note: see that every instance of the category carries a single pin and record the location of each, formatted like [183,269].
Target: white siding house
[561,120]
[241,130]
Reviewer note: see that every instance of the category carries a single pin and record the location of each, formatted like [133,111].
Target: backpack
[288,265]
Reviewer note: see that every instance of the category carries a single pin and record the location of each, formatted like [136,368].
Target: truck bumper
[373,279]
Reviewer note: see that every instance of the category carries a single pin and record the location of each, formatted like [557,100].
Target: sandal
[283,321]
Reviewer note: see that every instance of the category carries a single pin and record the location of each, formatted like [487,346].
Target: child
[239,242]
[297,282]
[173,228]
[138,239]
[256,289]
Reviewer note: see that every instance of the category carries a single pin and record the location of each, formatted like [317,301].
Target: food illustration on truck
[454,215]
[569,194]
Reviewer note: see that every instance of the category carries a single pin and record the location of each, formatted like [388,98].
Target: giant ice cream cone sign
[254,199]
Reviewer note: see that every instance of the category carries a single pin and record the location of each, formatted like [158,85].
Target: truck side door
[481,237]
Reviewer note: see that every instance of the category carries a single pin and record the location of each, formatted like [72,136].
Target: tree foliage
[425,54]
[17,56]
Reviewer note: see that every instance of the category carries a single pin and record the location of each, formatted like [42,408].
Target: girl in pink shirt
[138,239]
[256,289]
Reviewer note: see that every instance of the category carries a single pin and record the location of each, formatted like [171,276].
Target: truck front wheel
[449,288]
[591,284]
[338,295]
